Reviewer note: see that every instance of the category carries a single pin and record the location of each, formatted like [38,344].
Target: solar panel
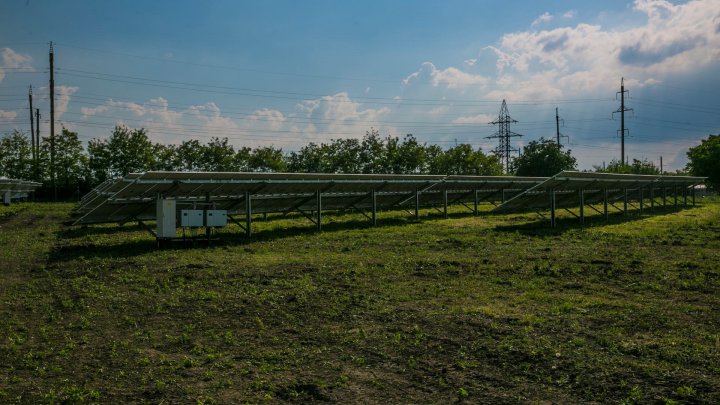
[133,197]
[15,188]
[570,189]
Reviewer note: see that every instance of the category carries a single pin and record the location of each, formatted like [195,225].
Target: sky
[286,73]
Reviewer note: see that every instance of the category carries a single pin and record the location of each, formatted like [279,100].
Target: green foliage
[637,167]
[704,160]
[543,158]
[15,156]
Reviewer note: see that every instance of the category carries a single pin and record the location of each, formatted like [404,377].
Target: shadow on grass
[542,226]
[79,246]
[74,242]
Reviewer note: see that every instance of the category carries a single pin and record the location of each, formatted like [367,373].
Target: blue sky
[286,73]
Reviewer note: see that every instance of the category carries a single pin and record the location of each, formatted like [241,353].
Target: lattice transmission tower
[504,134]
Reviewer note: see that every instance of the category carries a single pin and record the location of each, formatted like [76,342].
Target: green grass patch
[487,309]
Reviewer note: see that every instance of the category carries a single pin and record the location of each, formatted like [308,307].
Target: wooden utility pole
[661,165]
[37,144]
[52,123]
[32,129]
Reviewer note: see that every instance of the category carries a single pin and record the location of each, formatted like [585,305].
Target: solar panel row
[569,189]
[134,196]
[14,188]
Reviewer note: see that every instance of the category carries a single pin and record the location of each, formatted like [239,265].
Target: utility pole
[37,143]
[661,165]
[52,123]
[557,126]
[622,110]
[504,134]
[32,129]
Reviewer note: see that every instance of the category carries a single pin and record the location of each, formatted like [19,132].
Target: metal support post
[582,207]
[475,200]
[502,195]
[675,195]
[641,201]
[374,207]
[552,208]
[318,221]
[445,203]
[605,203]
[693,195]
[625,201]
[685,196]
[248,214]
[417,204]
[652,198]
[664,197]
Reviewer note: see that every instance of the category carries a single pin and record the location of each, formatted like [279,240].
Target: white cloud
[14,60]
[271,118]
[89,112]
[569,14]
[338,116]
[675,38]
[545,17]
[452,77]
[8,115]
[62,99]
[474,119]
[470,62]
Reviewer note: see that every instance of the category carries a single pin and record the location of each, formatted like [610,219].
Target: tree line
[128,150]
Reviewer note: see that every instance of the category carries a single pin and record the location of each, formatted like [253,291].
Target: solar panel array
[134,196]
[14,188]
[572,189]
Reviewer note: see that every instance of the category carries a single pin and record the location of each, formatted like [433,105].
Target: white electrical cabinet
[191,218]
[166,221]
[216,218]
[6,198]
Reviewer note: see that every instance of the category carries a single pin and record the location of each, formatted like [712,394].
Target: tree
[189,155]
[704,160]
[372,154]
[543,158]
[267,159]
[15,156]
[637,167]
[71,162]
[463,160]
[218,156]
[99,160]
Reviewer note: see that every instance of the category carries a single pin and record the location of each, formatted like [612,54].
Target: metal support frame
[552,208]
[582,206]
[373,202]
[664,197]
[445,203]
[417,204]
[642,203]
[248,214]
[693,195]
[476,201]
[318,205]
[652,198]
[675,195]
[625,201]
[605,203]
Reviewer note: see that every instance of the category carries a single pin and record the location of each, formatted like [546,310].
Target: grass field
[488,309]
